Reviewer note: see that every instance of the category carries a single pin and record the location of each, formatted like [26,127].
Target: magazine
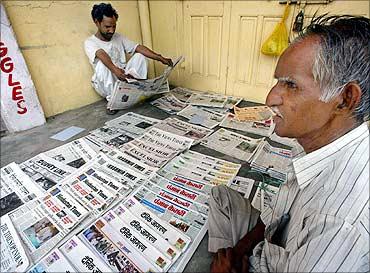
[55,261]
[201,116]
[262,128]
[13,256]
[127,94]
[169,103]
[182,128]
[232,144]
[16,188]
[82,258]
[253,113]
[74,154]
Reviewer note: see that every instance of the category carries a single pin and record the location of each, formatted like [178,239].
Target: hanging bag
[278,40]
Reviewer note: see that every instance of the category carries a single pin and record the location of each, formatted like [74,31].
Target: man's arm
[107,61]
[152,55]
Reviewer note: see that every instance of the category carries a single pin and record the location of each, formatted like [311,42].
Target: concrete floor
[24,145]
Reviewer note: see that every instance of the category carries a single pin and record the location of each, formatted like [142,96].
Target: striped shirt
[326,199]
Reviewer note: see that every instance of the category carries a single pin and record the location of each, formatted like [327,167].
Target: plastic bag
[278,40]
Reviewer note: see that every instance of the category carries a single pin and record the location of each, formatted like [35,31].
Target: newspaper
[126,94]
[209,100]
[263,128]
[254,113]
[169,103]
[44,222]
[55,261]
[232,144]
[134,124]
[183,94]
[264,196]
[96,144]
[182,128]
[13,256]
[272,160]
[45,171]
[116,259]
[163,152]
[206,160]
[111,137]
[232,101]
[242,185]
[82,258]
[132,252]
[132,163]
[74,154]
[16,188]
[201,116]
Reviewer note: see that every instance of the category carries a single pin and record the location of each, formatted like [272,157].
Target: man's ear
[349,98]
[96,22]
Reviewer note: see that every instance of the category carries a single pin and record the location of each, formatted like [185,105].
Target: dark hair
[343,57]
[98,11]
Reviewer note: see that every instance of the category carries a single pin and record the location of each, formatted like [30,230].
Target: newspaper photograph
[262,128]
[272,160]
[253,113]
[74,154]
[201,116]
[183,128]
[182,93]
[242,185]
[135,255]
[147,233]
[82,258]
[130,162]
[188,221]
[169,103]
[45,171]
[127,94]
[111,137]
[232,144]
[137,241]
[13,256]
[55,261]
[209,100]
[107,251]
[134,124]
[16,188]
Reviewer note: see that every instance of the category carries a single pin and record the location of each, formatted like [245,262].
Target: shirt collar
[313,163]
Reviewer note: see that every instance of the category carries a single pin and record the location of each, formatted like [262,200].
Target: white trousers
[103,80]
[230,217]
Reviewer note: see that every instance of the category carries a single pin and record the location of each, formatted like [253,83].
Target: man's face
[295,97]
[107,27]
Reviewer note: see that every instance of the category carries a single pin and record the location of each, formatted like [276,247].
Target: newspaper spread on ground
[82,258]
[201,116]
[166,153]
[232,101]
[55,261]
[182,128]
[183,94]
[169,103]
[253,113]
[262,128]
[16,188]
[209,100]
[242,185]
[13,256]
[96,144]
[264,196]
[126,94]
[272,160]
[45,171]
[134,124]
[232,144]
[74,154]
[44,222]
[111,137]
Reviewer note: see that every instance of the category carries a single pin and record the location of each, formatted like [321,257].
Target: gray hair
[343,57]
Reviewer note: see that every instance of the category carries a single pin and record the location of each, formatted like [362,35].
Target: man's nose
[274,97]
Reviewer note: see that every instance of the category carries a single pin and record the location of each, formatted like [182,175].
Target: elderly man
[106,52]
[319,219]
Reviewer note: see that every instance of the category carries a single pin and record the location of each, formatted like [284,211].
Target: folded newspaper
[127,94]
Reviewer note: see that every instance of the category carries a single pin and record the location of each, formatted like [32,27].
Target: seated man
[106,52]
[319,219]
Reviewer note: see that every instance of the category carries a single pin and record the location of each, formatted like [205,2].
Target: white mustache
[276,111]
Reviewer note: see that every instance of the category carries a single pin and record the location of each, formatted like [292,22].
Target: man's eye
[291,85]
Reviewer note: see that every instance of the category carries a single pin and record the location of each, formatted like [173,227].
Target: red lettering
[6,65]
[17,95]
[3,50]
[21,109]
[10,81]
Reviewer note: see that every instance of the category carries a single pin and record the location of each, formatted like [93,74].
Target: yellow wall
[51,35]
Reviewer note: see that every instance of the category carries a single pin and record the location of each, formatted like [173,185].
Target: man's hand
[166,61]
[224,262]
[120,74]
